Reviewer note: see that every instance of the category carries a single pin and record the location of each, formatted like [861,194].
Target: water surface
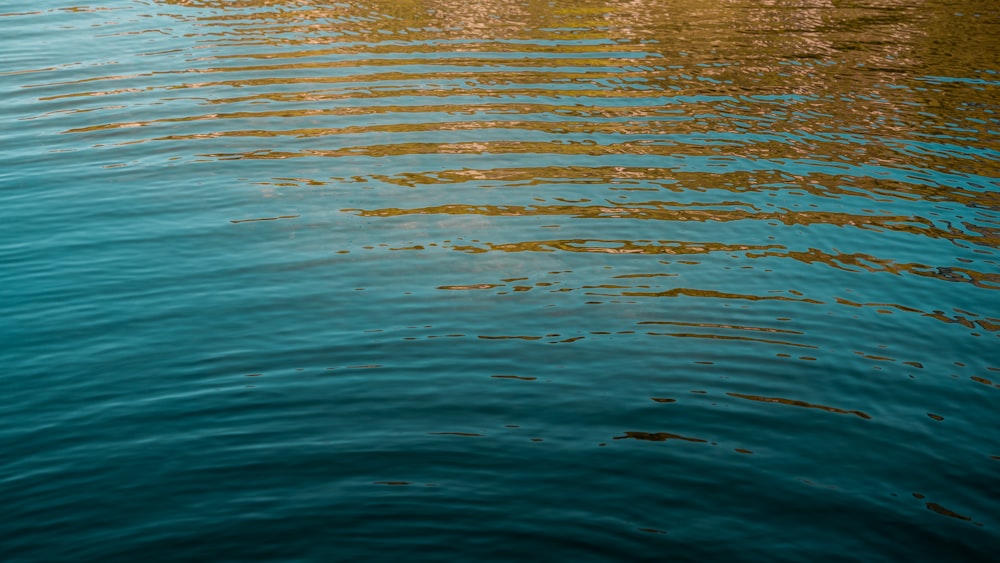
[439,280]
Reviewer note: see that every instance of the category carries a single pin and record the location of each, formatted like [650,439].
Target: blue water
[458,281]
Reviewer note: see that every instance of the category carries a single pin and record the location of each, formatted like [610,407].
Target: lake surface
[440,280]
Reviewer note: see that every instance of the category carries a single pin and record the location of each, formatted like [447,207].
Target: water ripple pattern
[478,280]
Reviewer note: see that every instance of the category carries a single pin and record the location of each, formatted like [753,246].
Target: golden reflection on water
[793,114]
[654,210]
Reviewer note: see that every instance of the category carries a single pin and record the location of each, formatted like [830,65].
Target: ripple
[586,278]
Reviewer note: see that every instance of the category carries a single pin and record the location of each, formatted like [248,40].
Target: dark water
[471,280]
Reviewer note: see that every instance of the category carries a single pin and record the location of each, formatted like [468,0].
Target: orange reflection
[795,403]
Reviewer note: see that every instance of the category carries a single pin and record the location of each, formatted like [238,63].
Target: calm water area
[482,280]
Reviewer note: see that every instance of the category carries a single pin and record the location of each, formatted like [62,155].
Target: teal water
[431,280]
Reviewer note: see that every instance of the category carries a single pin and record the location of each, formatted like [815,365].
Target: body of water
[440,280]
